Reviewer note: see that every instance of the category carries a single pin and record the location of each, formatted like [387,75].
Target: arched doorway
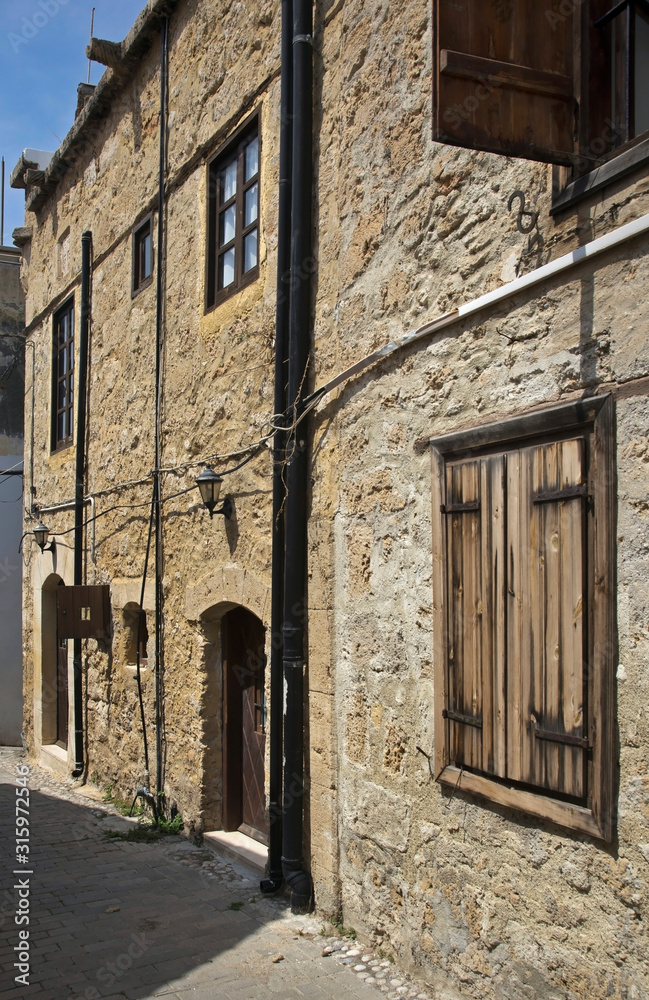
[244,724]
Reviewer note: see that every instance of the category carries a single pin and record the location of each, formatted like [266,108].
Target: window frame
[594,418]
[137,282]
[60,443]
[234,147]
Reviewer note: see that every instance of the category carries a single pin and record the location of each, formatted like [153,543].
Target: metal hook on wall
[523,227]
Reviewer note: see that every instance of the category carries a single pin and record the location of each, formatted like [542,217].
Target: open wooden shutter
[546,732]
[504,79]
[475,600]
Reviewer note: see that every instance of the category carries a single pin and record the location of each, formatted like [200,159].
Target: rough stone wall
[486,901]
[217,399]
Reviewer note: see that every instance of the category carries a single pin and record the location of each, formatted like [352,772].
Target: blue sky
[42,61]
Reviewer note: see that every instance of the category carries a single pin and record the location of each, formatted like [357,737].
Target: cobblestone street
[112,918]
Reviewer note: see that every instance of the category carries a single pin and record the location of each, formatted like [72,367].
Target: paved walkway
[115,919]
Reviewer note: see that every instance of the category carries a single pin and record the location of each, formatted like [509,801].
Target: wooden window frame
[594,418]
[60,443]
[138,283]
[234,148]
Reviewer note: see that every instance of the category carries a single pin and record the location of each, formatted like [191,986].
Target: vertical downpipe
[80,475]
[295,608]
[158,550]
[275,876]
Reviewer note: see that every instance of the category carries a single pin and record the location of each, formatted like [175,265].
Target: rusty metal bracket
[466,720]
[523,227]
[564,738]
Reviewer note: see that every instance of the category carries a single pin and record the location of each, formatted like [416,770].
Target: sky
[42,61]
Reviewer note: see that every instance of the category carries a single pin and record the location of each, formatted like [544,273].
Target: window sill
[62,447]
[555,811]
[140,288]
[608,173]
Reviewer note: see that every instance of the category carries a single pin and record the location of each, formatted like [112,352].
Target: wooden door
[62,692]
[244,747]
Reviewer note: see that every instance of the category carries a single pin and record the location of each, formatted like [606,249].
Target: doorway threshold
[238,847]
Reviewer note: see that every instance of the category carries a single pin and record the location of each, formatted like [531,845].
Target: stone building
[473,432]
[12,384]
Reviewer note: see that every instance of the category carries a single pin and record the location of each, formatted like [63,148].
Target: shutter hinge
[569,493]
[460,508]
[564,738]
[466,720]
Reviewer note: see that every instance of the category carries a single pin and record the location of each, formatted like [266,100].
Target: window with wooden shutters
[524,629]
[561,82]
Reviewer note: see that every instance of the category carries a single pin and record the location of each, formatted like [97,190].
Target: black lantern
[209,483]
[41,533]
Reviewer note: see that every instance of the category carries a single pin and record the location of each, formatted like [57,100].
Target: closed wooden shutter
[546,725]
[504,78]
[83,612]
[475,601]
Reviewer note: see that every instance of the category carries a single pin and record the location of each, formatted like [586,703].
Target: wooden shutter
[475,711]
[83,612]
[547,642]
[503,78]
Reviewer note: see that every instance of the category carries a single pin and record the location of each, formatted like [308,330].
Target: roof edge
[78,138]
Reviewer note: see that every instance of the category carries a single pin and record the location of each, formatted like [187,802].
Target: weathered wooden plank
[545,807]
[505,74]
[556,695]
[464,598]
[493,614]
[603,637]
[440,608]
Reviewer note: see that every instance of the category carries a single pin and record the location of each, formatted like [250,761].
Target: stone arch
[206,603]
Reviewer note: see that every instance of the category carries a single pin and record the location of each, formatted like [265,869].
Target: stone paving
[112,919]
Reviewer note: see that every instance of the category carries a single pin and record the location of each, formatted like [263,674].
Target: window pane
[60,427]
[229,181]
[641,75]
[250,251]
[252,158]
[62,362]
[63,398]
[71,357]
[250,212]
[147,261]
[228,225]
[226,268]
[63,329]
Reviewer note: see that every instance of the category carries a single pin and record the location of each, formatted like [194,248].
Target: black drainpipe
[295,607]
[275,876]
[80,475]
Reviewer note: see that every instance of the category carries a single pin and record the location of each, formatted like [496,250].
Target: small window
[524,651]
[63,377]
[142,256]
[233,215]
[136,634]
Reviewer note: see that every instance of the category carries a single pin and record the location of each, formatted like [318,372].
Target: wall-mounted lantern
[41,533]
[209,484]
